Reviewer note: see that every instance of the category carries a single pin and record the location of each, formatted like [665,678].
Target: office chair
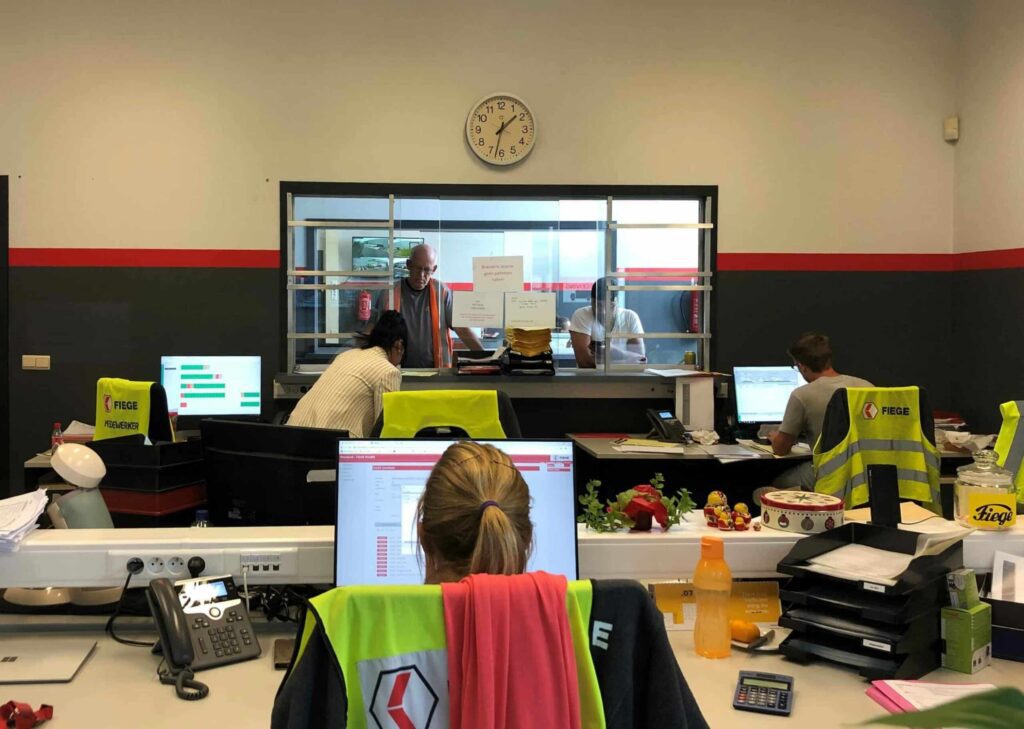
[506,415]
[865,426]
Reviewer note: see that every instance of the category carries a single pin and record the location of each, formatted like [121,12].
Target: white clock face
[500,129]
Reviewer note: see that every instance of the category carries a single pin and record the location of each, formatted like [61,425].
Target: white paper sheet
[475,309]
[1008,577]
[498,273]
[530,310]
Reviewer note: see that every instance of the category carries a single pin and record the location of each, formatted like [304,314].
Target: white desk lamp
[81,507]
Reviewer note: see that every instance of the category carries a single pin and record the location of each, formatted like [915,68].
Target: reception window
[649,250]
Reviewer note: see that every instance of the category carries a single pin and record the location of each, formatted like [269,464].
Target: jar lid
[802,501]
[985,472]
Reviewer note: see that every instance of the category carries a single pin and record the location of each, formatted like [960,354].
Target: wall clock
[501,129]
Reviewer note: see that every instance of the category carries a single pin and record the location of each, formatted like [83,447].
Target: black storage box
[133,466]
[1007,629]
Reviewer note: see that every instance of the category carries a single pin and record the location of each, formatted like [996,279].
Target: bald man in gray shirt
[805,411]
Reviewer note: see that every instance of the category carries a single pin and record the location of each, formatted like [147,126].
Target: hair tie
[483,506]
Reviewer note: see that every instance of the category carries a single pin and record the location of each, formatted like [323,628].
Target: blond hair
[474,514]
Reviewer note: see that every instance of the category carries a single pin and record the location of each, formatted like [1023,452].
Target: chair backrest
[128,407]
[865,426]
[447,401]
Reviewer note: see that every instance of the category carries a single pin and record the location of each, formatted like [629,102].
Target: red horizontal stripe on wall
[143,258]
[835,262]
[980,260]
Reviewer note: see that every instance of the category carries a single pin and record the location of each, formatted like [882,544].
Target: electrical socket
[176,566]
[155,565]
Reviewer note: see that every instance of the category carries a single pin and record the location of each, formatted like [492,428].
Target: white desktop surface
[118,687]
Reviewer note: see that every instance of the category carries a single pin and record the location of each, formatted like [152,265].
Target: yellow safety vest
[375,631]
[122,407]
[475,411]
[884,427]
[1010,444]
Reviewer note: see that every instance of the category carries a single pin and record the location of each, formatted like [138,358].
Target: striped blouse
[349,394]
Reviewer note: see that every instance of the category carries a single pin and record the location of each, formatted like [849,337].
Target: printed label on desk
[876,645]
[873,587]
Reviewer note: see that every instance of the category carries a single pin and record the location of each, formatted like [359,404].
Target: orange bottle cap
[712,548]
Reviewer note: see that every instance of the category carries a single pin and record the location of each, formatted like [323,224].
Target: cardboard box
[967,638]
[963,589]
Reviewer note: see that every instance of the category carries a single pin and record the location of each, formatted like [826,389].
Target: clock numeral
[478,130]
[501,105]
[522,140]
[501,153]
[481,117]
[526,129]
[522,116]
[513,108]
[512,149]
[490,109]
[480,142]
[490,150]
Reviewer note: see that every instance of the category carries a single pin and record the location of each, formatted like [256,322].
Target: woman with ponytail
[474,515]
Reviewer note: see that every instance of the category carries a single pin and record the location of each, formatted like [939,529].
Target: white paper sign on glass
[475,309]
[498,273]
[530,311]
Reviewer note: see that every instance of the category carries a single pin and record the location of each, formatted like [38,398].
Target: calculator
[766,693]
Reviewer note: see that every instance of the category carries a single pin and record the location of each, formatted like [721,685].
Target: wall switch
[951,128]
[723,390]
[35,361]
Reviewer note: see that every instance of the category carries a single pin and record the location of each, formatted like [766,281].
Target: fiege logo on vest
[403,699]
[870,411]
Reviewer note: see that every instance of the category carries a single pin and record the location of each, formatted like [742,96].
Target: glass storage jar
[985,495]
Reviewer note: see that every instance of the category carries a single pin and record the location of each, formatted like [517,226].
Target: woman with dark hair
[349,394]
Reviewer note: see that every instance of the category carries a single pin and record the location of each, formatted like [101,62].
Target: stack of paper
[901,696]
[529,342]
[18,516]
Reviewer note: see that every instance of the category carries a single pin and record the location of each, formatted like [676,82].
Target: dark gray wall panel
[987,365]
[892,328]
[97,322]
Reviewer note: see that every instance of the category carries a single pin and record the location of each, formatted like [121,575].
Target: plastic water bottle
[713,582]
[202,518]
[56,438]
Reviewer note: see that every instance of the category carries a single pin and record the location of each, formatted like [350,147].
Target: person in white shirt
[349,394]
[586,331]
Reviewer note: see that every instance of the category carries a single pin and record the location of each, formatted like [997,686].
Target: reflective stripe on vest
[370,628]
[1010,443]
[442,358]
[122,407]
[884,428]
[475,411]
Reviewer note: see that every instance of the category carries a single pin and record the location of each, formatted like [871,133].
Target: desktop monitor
[380,483]
[762,392]
[212,385]
[258,474]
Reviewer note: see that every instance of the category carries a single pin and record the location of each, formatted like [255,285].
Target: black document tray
[916,635]
[921,570]
[887,609]
[869,664]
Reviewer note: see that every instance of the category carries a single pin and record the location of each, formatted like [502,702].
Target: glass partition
[652,249]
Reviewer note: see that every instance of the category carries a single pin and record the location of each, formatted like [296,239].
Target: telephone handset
[202,624]
[667,426]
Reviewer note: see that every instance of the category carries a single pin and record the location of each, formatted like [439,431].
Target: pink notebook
[900,696]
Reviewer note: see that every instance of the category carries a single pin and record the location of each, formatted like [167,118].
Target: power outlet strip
[173,564]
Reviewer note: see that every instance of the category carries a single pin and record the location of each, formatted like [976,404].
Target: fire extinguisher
[364,305]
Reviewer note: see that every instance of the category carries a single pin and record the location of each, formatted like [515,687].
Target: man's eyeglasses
[413,270]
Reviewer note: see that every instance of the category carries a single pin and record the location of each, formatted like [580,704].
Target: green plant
[634,508]
[998,709]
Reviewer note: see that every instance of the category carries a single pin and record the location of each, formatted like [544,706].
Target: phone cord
[185,685]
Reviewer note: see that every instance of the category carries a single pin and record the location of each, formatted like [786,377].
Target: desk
[596,458]
[118,688]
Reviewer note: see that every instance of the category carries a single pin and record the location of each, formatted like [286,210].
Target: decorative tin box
[803,512]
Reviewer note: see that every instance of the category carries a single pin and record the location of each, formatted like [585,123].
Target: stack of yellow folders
[529,342]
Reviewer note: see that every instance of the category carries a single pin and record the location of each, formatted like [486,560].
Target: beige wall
[136,125]
[989,209]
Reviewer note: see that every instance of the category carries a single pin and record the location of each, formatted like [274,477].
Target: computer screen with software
[198,385]
[762,392]
[380,483]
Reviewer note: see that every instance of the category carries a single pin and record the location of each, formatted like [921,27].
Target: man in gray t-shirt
[805,411]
